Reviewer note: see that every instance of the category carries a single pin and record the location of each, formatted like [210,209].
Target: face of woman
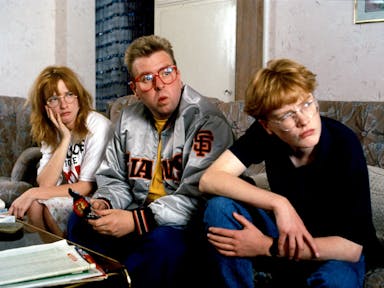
[65,105]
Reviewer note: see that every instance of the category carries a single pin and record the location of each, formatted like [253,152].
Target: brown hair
[282,82]
[45,85]
[145,46]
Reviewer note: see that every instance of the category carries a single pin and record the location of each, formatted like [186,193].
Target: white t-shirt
[83,159]
[81,164]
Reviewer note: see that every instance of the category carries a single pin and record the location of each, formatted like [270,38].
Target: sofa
[18,154]
[366,119]
[18,166]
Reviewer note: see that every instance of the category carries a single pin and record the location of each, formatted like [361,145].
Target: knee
[219,212]
[219,202]
[218,206]
[35,212]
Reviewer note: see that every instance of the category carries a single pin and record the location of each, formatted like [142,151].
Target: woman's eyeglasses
[54,101]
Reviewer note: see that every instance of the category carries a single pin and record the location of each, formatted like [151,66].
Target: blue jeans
[238,271]
[164,257]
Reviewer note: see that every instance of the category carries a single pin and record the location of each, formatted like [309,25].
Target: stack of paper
[46,265]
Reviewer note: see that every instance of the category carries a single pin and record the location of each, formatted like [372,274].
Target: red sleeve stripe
[141,224]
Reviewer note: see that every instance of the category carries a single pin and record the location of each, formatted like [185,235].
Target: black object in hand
[81,206]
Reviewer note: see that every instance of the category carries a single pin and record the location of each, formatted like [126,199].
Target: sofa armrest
[376,179]
[25,168]
[10,190]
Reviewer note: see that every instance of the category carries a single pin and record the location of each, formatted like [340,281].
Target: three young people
[149,191]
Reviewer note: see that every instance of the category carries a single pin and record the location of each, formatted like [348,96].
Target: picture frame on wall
[367,11]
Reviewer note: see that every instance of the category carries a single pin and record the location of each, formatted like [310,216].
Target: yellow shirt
[156,189]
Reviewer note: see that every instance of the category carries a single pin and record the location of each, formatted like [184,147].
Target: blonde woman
[73,138]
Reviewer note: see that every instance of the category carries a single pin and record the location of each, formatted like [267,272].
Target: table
[117,274]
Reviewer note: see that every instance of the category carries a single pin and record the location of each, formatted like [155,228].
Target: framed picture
[367,11]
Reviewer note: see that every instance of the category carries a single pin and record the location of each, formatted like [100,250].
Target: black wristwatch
[274,249]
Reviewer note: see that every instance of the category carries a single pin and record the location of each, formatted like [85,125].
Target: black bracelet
[274,249]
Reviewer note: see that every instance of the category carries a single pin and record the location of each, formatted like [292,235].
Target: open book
[46,265]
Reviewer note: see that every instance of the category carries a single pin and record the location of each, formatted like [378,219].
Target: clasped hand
[251,242]
[113,222]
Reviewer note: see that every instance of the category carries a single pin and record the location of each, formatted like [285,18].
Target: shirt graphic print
[72,163]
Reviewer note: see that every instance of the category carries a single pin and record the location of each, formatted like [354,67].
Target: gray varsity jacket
[196,137]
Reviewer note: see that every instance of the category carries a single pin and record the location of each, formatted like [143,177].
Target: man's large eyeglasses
[146,82]
[54,101]
[289,120]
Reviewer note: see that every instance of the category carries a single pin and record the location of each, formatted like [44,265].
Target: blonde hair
[145,46]
[45,85]
[282,82]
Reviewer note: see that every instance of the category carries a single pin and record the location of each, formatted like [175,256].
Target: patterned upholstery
[17,163]
[366,119]
[14,131]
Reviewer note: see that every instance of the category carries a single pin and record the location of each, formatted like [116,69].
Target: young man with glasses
[148,200]
[314,228]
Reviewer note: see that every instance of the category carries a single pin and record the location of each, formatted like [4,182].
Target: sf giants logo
[203,142]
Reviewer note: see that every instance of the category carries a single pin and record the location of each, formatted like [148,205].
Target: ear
[264,124]
[133,88]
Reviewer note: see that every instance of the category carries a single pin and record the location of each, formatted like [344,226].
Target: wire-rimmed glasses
[146,81]
[54,101]
[288,120]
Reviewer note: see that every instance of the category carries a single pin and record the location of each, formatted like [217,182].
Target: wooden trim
[249,43]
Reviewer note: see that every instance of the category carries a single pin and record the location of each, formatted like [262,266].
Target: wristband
[144,220]
[274,249]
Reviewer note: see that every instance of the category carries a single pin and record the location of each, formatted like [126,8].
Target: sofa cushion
[376,180]
[10,190]
[366,120]
[25,168]
[261,180]
[374,278]
[15,131]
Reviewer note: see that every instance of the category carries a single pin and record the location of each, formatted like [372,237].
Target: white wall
[38,33]
[348,58]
